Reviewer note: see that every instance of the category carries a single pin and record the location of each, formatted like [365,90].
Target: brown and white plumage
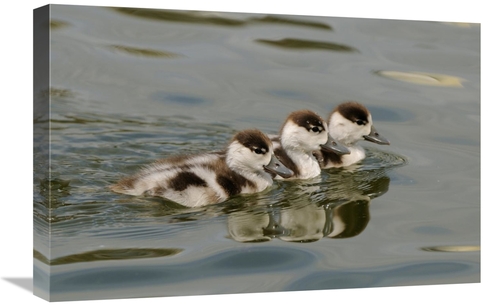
[196,180]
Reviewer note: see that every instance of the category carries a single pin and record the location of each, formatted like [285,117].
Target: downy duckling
[348,123]
[246,166]
[303,133]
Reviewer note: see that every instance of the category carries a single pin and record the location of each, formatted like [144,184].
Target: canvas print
[195,153]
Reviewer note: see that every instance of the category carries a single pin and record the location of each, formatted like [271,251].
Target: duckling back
[208,178]
[195,181]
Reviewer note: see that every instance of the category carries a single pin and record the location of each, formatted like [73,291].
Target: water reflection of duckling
[303,223]
[340,212]
[245,226]
[348,219]
[302,133]
[347,205]
[246,166]
[349,123]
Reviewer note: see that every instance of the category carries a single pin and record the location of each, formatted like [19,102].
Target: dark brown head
[306,119]
[254,140]
[354,112]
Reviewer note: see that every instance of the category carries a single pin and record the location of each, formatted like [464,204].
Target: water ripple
[453,248]
[219,18]
[383,276]
[107,254]
[303,44]
[225,263]
[146,52]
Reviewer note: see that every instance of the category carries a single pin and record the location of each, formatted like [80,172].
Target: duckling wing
[160,172]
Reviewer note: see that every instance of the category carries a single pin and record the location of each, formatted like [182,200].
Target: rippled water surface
[129,86]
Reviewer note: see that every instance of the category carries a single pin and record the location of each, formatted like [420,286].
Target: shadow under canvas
[22,282]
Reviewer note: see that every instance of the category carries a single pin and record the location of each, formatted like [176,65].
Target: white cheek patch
[322,137]
[346,131]
[338,126]
[314,140]
[235,154]
[264,160]
[249,164]
[299,138]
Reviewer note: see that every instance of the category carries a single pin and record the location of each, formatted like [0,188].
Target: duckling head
[305,131]
[251,151]
[351,121]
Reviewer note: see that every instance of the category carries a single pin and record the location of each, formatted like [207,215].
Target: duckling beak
[275,166]
[334,146]
[375,137]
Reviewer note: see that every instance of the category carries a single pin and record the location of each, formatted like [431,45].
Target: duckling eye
[360,122]
[315,129]
[259,151]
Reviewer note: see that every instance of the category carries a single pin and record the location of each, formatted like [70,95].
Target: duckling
[302,133]
[246,166]
[349,123]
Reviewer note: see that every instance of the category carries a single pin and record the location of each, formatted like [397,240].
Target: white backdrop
[16,181]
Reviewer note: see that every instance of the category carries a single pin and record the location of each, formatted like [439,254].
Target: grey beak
[375,137]
[334,146]
[276,167]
